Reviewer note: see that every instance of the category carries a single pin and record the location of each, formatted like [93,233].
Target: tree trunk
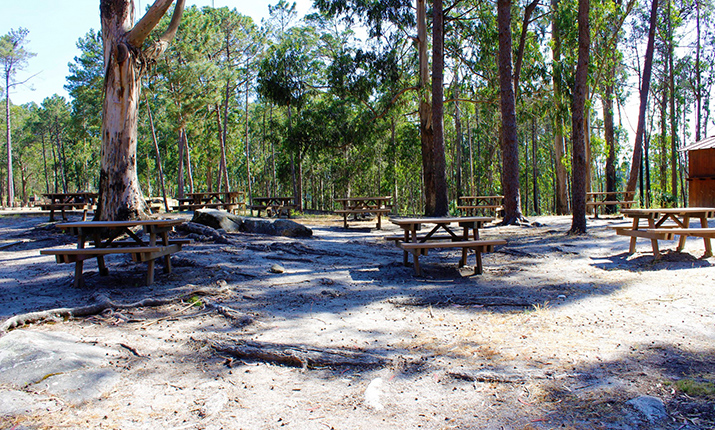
[610,140]
[561,179]
[10,181]
[645,88]
[509,141]
[580,167]
[528,11]
[440,165]
[673,113]
[180,184]
[120,196]
[425,111]
[158,156]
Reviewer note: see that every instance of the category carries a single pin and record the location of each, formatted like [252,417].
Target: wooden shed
[701,172]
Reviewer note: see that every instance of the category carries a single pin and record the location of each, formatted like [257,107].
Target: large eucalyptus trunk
[120,196]
[509,141]
[644,90]
[562,201]
[441,200]
[425,110]
[580,167]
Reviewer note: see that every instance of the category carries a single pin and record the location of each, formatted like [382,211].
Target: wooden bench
[62,207]
[597,200]
[478,246]
[378,212]
[271,210]
[475,205]
[229,207]
[138,253]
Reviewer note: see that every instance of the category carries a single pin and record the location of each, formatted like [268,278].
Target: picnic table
[226,200]
[277,206]
[108,237]
[417,245]
[656,229]
[64,201]
[364,205]
[476,205]
[598,199]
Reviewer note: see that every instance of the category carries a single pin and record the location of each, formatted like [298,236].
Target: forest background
[307,106]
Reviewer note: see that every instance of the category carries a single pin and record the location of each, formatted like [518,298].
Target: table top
[668,211]
[481,197]
[440,220]
[120,224]
[608,193]
[278,199]
[216,193]
[77,194]
[363,199]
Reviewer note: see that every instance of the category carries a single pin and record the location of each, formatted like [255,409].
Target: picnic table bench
[227,200]
[277,206]
[416,245]
[364,205]
[104,235]
[656,229]
[479,205]
[596,200]
[68,201]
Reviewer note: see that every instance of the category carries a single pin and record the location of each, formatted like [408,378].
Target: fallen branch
[485,301]
[237,318]
[306,357]
[496,376]
[8,245]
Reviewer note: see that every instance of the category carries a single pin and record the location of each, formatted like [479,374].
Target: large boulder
[218,219]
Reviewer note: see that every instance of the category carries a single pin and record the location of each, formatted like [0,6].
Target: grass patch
[694,388]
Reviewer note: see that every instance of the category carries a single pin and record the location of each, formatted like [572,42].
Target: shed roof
[707,143]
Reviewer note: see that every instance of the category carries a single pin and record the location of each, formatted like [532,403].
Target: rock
[218,219]
[277,268]
[651,407]
[224,221]
[259,226]
[288,228]
[56,363]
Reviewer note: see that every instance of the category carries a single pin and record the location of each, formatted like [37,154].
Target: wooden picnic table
[597,199]
[475,205]
[363,205]
[273,205]
[227,200]
[418,245]
[656,229]
[64,201]
[104,236]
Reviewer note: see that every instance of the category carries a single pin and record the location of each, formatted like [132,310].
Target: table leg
[708,245]
[379,220]
[681,241]
[405,258]
[632,247]
[103,271]
[345,220]
[167,258]
[478,267]
[654,242]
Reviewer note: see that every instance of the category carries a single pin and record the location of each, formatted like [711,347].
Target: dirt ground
[558,332]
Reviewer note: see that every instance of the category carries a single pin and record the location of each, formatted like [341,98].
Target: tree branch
[141,30]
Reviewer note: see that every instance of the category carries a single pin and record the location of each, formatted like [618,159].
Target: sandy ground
[558,332]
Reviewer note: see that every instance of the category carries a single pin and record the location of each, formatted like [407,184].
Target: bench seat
[612,203]
[695,232]
[378,211]
[478,246]
[138,253]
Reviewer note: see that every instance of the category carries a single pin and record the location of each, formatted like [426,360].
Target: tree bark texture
[120,196]
[425,111]
[645,88]
[510,144]
[440,165]
[580,167]
[561,189]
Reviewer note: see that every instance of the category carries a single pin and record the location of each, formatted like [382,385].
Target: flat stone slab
[58,364]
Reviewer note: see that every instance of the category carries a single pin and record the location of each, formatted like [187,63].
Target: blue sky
[56,25]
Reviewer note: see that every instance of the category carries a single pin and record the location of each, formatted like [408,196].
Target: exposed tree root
[203,230]
[496,376]
[102,305]
[306,357]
